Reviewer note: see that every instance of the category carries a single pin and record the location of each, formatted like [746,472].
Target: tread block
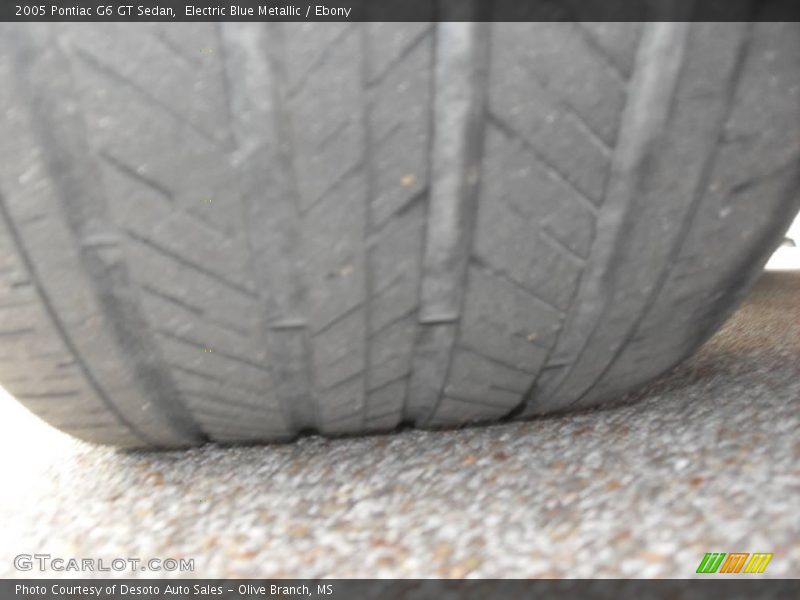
[506,323]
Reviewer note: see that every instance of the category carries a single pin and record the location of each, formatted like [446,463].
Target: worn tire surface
[240,232]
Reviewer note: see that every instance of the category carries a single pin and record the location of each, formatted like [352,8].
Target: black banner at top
[398,10]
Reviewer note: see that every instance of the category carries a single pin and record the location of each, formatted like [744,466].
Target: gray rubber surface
[240,232]
[706,459]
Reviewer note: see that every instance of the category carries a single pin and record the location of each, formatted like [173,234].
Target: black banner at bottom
[387,589]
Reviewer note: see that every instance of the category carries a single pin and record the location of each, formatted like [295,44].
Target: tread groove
[461,71]
[651,95]
[389,324]
[172,300]
[599,50]
[155,246]
[570,112]
[336,320]
[106,70]
[494,360]
[391,382]
[164,40]
[133,174]
[256,82]
[689,217]
[366,236]
[415,43]
[504,128]
[561,246]
[320,60]
[48,395]
[62,331]
[190,342]
[195,310]
[334,185]
[62,138]
[484,266]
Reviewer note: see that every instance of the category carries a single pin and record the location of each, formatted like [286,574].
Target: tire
[242,232]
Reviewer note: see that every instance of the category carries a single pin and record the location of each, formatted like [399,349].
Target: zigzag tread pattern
[342,227]
[545,159]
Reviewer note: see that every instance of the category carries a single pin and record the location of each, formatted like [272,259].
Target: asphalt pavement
[706,459]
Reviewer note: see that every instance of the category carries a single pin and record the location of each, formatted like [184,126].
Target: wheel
[241,232]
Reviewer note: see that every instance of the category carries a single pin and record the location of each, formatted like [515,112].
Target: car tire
[240,232]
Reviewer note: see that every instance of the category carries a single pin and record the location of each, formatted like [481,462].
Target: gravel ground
[705,459]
